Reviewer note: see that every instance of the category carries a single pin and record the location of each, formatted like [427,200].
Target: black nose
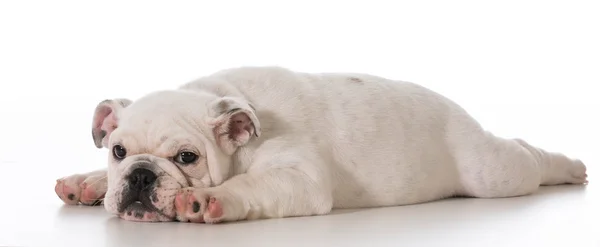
[141,178]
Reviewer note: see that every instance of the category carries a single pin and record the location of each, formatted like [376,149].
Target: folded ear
[233,122]
[106,120]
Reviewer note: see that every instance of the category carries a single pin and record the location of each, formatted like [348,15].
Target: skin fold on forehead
[173,171]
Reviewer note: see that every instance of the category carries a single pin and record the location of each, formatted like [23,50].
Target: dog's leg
[557,168]
[87,189]
[274,193]
[500,167]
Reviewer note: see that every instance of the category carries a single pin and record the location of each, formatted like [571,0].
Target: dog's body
[276,143]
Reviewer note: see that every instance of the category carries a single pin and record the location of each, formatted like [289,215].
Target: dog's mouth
[147,200]
[138,206]
[138,211]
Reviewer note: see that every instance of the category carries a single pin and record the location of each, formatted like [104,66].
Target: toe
[214,212]
[181,205]
[59,189]
[195,207]
[67,194]
[215,209]
[578,173]
[89,195]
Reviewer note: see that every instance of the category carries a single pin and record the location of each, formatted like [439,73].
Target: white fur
[329,141]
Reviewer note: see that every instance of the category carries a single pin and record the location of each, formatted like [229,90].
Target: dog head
[166,141]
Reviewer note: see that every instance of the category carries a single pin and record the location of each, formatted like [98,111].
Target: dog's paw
[578,173]
[203,206]
[87,189]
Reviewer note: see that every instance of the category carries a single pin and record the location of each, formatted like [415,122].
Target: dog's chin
[137,211]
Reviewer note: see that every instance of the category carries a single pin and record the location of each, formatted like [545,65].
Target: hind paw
[578,173]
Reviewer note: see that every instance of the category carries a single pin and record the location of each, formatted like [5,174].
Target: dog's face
[167,141]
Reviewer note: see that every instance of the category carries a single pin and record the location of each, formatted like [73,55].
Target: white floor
[34,154]
[557,216]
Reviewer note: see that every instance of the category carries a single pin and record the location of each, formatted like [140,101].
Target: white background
[526,69]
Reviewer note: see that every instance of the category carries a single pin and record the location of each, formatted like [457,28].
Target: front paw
[87,189]
[204,206]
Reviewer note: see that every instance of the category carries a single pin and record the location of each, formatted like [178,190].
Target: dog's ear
[233,122]
[106,120]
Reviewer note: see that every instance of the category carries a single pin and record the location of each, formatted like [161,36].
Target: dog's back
[382,137]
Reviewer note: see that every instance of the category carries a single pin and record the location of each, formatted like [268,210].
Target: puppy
[266,142]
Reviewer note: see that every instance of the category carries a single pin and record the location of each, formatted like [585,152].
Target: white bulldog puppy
[267,142]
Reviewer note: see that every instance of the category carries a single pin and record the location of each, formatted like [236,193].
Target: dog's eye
[119,152]
[186,157]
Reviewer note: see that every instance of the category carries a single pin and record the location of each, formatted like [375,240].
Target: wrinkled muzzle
[145,190]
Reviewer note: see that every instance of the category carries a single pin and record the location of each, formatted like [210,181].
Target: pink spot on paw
[89,196]
[65,193]
[181,205]
[215,209]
